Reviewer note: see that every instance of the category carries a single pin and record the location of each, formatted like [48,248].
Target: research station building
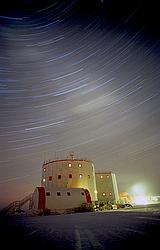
[107,190]
[70,173]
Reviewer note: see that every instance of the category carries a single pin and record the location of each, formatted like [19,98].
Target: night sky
[80,76]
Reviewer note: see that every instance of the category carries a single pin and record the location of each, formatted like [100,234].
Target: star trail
[80,77]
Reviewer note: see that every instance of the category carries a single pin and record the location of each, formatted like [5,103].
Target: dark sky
[79,76]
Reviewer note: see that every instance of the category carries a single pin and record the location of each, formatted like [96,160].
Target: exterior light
[44,169]
[141,200]
[101,177]
[44,180]
[104,194]
[79,165]
[139,194]
[80,176]
[69,165]
[138,189]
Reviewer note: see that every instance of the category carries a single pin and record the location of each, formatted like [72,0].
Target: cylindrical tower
[70,173]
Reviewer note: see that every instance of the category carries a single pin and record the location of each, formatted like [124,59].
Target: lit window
[68,193]
[101,176]
[58,194]
[59,176]
[79,165]
[44,180]
[80,176]
[48,193]
[104,194]
[107,176]
[70,176]
[110,193]
[69,165]
[50,178]
[44,169]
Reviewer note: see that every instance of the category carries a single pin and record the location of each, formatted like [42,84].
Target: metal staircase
[16,206]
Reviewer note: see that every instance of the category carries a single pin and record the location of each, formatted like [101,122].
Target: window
[59,176]
[88,176]
[70,176]
[82,193]
[104,194]
[110,193]
[107,176]
[101,177]
[69,165]
[50,178]
[44,180]
[44,169]
[58,193]
[80,176]
[68,193]
[48,193]
[79,165]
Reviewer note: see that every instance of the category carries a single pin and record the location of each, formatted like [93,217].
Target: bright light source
[140,200]
[138,189]
[139,194]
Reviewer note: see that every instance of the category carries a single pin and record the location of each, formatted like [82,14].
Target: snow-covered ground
[114,229]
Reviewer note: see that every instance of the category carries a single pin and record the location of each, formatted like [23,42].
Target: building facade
[58,200]
[70,173]
[107,190]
